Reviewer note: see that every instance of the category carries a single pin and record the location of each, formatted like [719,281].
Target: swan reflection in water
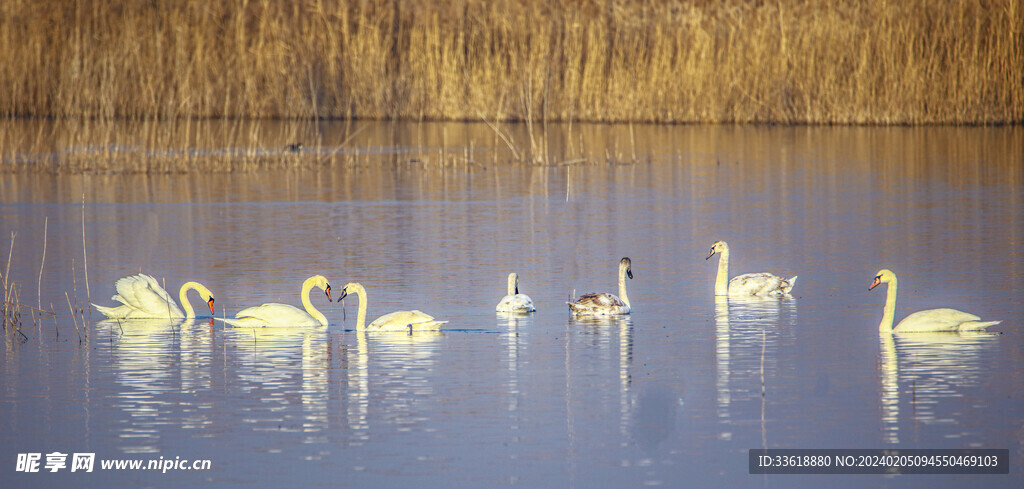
[408,360]
[747,332]
[650,408]
[511,324]
[930,368]
[155,359]
[196,354]
[392,360]
[392,368]
[277,368]
[613,336]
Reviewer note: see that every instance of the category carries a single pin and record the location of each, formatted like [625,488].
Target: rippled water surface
[672,395]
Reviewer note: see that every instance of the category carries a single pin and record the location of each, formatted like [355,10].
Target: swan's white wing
[142,291]
[272,314]
[943,319]
[598,304]
[143,297]
[977,325]
[404,320]
[117,312]
[516,303]
[505,304]
[760,284]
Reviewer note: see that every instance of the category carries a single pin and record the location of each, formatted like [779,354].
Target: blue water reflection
[673,394]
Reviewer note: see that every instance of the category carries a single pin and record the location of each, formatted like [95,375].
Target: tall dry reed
[789,61]
[10,313]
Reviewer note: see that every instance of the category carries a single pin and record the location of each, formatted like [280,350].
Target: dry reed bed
[788,61]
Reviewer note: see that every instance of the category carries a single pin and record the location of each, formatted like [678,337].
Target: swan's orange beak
[210,303]
[875,282]
[328,292]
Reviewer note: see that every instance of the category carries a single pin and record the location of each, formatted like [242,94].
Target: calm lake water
[673,395]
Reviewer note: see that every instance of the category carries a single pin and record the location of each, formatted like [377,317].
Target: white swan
[396,321]
[748,284]
[930,320]
[276,314]
[514,301]
[141,297]
[599,304]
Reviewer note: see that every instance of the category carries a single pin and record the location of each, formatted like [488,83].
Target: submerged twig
[14,304]
[78,307]
[9,254]
[85,256]
[12,314]
[16,324]
[498,131]
[39,285]
[73,317]
[8,287]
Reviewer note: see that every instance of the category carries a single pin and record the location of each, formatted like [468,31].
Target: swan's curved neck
[190,313]
[722,280]
[357,289]
[889,313]
[308,305]
[622,286]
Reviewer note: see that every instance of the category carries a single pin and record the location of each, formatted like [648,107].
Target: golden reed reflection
[395,162]
[375,160]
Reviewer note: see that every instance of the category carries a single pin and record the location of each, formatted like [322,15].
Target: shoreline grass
[788,61]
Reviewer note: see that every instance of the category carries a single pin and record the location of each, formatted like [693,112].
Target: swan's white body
[514,301]
[408,321]
[604,304]
[277,314]
[749,284]
[927,321]
[142,297]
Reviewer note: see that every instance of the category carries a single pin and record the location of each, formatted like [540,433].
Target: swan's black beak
[328,292]
[344,294]
[711,254]
[210,303]
[875,282]
[629,273]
